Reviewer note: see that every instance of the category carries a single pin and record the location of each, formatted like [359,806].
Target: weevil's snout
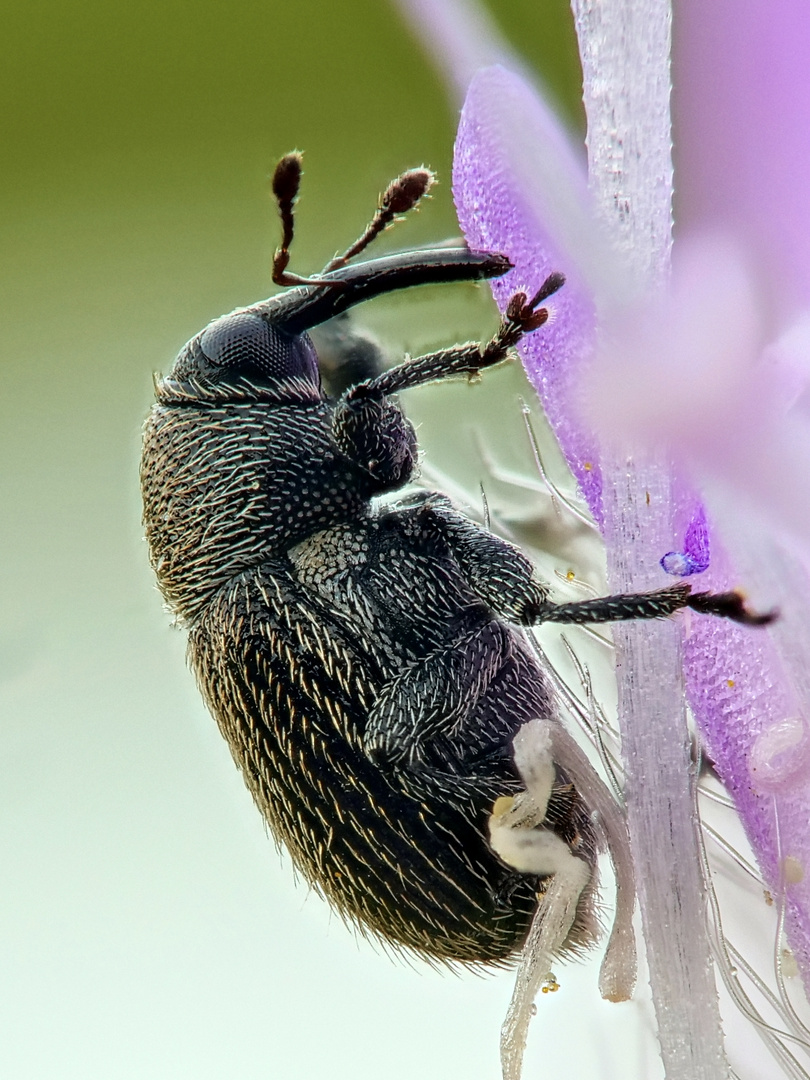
[244,348]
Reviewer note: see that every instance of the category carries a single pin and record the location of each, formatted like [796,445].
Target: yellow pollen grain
[502,805]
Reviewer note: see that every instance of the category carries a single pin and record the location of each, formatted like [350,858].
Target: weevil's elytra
[363,659]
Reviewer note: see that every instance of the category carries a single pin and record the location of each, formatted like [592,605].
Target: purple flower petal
[695,557]
[503,126]
[741,106]
[755,735]
[461,36]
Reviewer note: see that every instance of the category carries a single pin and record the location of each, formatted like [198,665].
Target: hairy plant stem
[625,47]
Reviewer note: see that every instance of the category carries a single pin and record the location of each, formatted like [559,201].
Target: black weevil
[364,659]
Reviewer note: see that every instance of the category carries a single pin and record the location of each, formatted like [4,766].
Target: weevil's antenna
[399,197]
[286,184]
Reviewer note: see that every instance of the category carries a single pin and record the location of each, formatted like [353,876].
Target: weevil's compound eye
[244,344]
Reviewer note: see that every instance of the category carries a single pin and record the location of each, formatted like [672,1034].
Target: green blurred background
[148,928]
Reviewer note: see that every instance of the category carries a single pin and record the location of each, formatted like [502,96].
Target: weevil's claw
[553,283]
[730,605]
[524,313]
[522,316]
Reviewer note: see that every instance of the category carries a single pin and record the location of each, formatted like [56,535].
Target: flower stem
[625,47]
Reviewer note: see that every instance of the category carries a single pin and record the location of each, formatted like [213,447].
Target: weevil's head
[263,352]
[244,355]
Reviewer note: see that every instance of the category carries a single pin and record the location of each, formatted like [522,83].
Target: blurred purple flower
[715,371]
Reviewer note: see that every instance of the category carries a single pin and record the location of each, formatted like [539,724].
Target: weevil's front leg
[371,429]
[522,315]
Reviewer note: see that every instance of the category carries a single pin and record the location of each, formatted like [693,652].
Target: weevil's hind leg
[286,184]
[437,695]
[399,197]
[517,837]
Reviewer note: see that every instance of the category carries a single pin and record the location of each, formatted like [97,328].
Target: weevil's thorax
[236,472]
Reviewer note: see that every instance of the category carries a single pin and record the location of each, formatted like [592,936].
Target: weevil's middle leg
[504,578]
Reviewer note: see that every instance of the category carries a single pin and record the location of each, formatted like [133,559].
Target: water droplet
[793,869]
[780,754]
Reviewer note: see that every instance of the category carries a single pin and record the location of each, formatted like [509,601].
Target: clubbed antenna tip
[399,197]
[404,193]
[287,178]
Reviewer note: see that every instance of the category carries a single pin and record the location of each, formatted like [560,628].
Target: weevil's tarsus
[729,605]
[401,195]
[652,605]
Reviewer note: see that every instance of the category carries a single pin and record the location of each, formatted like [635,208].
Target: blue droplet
[695,557]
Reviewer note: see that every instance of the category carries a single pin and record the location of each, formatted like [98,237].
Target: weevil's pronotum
[363,658]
